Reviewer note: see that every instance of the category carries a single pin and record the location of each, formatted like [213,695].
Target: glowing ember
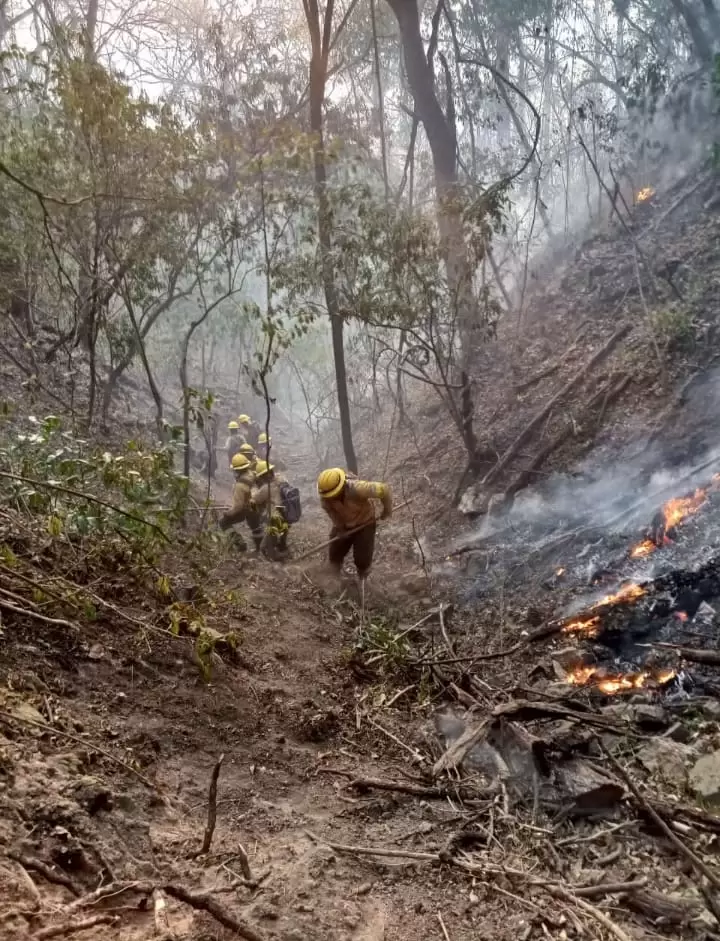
[587,626]
[560,571]
[681,615]
[645,193]
[627,593]
[615,683]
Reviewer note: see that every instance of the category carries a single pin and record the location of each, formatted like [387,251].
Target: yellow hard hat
[244,419]
[264,439]
[240,462]
[330,482]
[247,449]
[262,467]
[233,426]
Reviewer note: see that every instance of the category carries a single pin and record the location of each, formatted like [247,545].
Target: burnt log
[661,910]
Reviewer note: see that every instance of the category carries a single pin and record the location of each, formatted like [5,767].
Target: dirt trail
[282,715]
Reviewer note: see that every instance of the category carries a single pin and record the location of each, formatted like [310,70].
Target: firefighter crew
[348,503]
[263,447]
[233,441]
[268,503]
[243,510]
[249,429]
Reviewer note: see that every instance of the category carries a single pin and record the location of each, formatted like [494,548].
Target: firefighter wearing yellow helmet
[279,503]
[349,504]
[233,440]
[248,451]
[249,429]
[264,446]
[242,510]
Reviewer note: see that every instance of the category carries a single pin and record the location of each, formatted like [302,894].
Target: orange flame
[587,626]
[645,193]
[674,512]
[611,684]
[626,593]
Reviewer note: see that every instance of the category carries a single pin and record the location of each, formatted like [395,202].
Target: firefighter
[348,503]
[249,451]
[268,502]
[264,445]
[243,510]
[249,428]
[233,441]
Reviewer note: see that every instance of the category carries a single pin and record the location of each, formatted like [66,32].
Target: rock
[97,652]
[710,708]
[705,778]
[667,760]
[93,795]
[679,733]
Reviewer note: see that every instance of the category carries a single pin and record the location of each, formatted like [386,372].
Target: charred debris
[585,741]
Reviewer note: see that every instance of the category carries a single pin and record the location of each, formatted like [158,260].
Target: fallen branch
[657,819]
[559,892]
[47,872]
[72,927]
[36,616]
[375,850]
[206,903]
[10,716]
[693,654]
[212,807]
[609,888]
[540,417]
[553,368]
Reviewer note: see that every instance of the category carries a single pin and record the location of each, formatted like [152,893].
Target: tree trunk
[442,139]
[703,48]
[318,75]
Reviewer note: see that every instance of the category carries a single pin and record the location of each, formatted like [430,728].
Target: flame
[681,615]
[674,512]
[645,193]
[615,683]
[626,593]
[587,626]
[642,549]
[560,571]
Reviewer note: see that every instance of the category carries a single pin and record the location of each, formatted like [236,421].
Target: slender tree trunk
[700,40]
[381,101]
[318,74]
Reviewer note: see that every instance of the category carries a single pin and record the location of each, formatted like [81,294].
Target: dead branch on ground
[212,808]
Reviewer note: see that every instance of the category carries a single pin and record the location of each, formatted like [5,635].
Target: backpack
[290,497]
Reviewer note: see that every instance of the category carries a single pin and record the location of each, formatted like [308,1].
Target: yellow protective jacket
[241,501]
[355,507]
[263,494]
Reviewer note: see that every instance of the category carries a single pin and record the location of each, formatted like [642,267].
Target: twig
[443,630]
[657,819]
[29,884]
[37,865]
[418,756]
[242,855]
[212,807]
[81,741]
[559,892]
[375,850]
[442,926]
[60,622]
[609,888]
[71,927]
[208,904]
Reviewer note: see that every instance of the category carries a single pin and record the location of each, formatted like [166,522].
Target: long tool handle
[350,532]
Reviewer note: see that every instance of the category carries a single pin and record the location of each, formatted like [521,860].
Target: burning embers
[644,194]
[612,683]
[673,513]
[590,626]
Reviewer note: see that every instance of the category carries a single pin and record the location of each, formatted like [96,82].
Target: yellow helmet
[264,439]
[247,449]
[262,467]
[330,483]
[240,462]
[244,419]
[233,426]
